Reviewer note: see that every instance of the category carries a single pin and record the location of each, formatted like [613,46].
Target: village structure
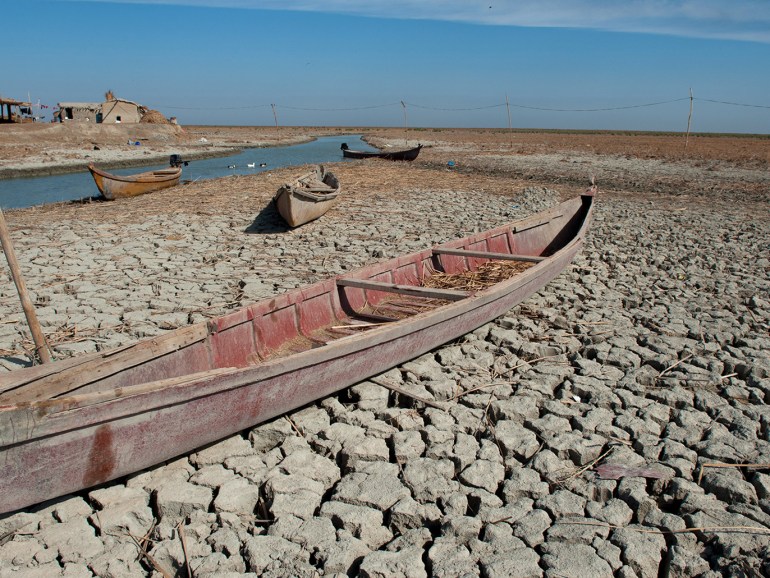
[14,110]
[112,110]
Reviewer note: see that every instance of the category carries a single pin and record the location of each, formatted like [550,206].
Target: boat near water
[79,422]
[120,186]
[405,155]
[308,198]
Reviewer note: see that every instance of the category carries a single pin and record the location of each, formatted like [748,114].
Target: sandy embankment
[44,149]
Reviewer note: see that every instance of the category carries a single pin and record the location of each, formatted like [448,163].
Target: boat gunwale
[310,196]
[147,177]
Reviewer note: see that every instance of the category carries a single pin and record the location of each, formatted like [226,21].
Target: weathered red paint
[101,457]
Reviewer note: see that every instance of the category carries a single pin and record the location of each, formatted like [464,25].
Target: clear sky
[571,64]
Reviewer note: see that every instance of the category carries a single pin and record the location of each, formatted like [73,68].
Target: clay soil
[702,165]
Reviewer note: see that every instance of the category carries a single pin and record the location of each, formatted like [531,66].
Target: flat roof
[79,104]
[4,101]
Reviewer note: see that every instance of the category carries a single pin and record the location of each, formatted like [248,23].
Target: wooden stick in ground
[180,529]
[402,391]
[41,346]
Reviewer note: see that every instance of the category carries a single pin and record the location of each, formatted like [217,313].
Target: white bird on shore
[251,165]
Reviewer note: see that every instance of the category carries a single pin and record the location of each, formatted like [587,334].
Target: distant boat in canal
[405,155]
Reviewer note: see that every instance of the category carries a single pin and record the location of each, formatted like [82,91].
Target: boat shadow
[267,221]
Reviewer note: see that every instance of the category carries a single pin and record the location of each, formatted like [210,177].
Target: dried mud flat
[614,424]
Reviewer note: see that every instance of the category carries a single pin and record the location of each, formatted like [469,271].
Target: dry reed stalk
[492,429]
[397,307]
[357,326]
[488,274]
[587,334]
[142,543]
[17,532]
[669,368]
[475,389]
[758,466]
[294,426]
[582,469]
[402,391]
[509,371]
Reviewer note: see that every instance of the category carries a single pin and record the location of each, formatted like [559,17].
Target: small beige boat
[307,198]
[120,186]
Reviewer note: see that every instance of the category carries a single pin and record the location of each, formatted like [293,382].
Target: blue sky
[570,64]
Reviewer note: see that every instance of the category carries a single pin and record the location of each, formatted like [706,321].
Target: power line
[733,103]
[455,109]
[463,109]
[599,109]
[212,107]
[340,109]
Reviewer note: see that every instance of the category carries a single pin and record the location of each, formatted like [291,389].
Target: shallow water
[31,191]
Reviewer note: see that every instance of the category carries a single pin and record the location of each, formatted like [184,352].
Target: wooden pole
[508,108]
[41,346]
[406,126]
[275,116]
[689,118]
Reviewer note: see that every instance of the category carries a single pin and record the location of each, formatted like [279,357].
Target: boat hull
[242,375]
[118,186]
[406,155]
[298,205]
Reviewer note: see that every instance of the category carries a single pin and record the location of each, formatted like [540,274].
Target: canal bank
[71,186]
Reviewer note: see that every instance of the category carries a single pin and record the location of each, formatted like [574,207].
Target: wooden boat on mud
[79,422]
[307,198]
[119,186]
[405,155]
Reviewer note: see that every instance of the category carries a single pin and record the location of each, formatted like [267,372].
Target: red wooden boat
[79,422]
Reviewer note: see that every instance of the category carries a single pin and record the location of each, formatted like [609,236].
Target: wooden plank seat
[486,255]
[315,185]
[413,290]
[527,225]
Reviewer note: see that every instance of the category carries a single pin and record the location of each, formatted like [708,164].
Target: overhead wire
[463,109]
[733,103]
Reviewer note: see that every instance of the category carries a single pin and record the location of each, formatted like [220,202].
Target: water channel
[31,191]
